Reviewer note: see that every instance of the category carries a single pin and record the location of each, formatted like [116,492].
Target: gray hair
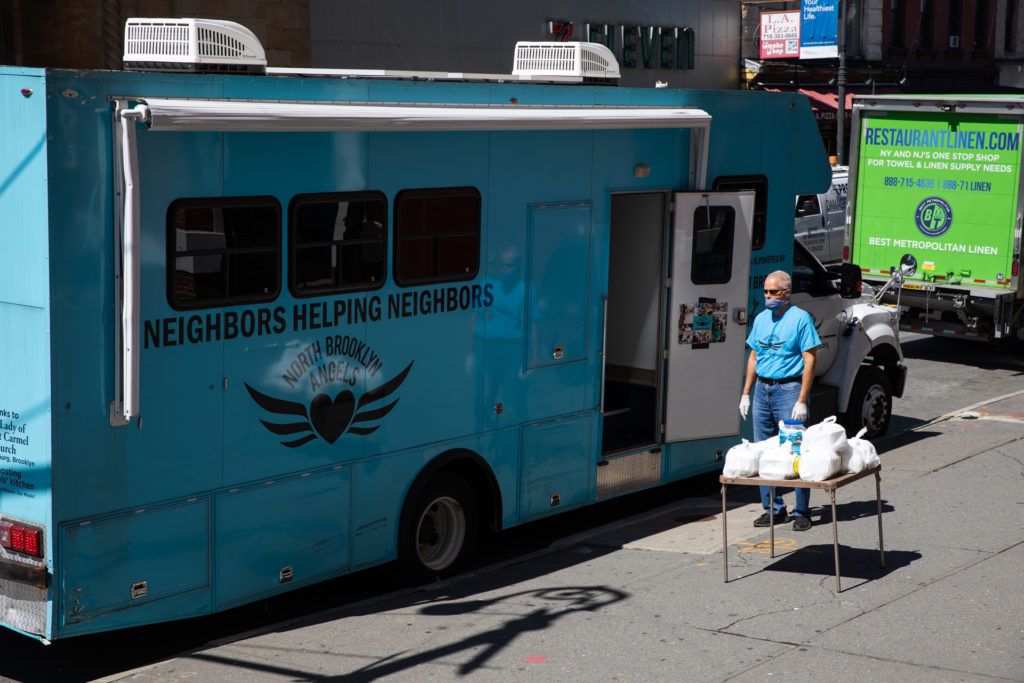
[783,278]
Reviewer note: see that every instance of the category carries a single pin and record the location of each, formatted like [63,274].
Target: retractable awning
[248,116]
[162,114]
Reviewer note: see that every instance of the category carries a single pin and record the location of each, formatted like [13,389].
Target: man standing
[783,344]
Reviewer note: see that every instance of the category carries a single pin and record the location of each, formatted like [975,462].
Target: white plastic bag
[742,460]
[826,435]
[777,462]
[863,455]
[818,463]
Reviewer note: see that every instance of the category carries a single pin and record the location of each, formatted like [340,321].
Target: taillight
[21,538]
[846,253]
[1015,267]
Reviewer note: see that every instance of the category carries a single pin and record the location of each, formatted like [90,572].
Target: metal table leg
[725,541]
[878,499]
[771,521]
[835,536]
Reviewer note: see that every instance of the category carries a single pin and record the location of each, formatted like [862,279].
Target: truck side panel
[943,186]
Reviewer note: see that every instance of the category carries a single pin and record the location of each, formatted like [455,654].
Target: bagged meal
[818,463]
[778,462]
[742,460]
[862,453]
[826,435]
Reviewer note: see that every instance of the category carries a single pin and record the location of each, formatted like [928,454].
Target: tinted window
[223,251]
[713,230]
[759,185]
[437,235]
[337,242]
[807,205]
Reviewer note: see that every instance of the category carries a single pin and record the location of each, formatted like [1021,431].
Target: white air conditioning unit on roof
[592,62]
[197,45]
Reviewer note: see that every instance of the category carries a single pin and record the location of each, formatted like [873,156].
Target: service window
[713,234]
[337,242]
[807,205]
[223,251]
[437,235]
[759,185]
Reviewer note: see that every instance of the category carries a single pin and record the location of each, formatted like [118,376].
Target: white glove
[744,406]
[799,412]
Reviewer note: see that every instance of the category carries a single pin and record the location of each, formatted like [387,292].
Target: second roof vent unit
[197,45]
[590,62]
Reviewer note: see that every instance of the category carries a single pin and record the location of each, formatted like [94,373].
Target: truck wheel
[870,403]
[443,529]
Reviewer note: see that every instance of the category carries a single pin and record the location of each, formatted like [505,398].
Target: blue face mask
[773,304]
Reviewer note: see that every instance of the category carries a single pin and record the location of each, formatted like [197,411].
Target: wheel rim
[440,533]
[875,410]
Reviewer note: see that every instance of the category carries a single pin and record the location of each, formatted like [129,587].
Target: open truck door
[707,313]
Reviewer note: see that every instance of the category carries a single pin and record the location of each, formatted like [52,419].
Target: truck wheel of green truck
[870,403]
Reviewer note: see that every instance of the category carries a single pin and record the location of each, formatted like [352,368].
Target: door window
[713,233]
[759,185]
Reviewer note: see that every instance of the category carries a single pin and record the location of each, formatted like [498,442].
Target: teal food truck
[939,176]
[264,327]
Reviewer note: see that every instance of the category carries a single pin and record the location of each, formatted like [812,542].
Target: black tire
[441,528]
[870,403]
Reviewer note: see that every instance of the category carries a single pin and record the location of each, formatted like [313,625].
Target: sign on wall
[780,35]
[819,24]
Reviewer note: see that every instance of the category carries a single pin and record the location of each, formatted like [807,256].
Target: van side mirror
[850,283]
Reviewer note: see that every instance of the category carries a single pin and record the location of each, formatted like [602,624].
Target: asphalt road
[945,376]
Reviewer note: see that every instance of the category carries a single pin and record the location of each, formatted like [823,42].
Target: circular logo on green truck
[934,216]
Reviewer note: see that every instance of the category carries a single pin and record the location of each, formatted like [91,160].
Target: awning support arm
[126,387]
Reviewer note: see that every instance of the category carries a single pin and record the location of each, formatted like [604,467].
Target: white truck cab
[820,221]
[859,365]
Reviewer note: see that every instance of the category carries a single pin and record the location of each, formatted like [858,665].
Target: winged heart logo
[328,417]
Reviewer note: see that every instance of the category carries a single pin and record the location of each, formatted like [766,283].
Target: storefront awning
[825,102]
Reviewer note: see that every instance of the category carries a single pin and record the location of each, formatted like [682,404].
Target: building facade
[924,46]
[681,43]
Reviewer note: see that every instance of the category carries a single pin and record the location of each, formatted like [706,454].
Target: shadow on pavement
[900,440]
[854,563]
[987,356]
[89,657]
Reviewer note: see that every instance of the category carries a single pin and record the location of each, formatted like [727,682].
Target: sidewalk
[646,600]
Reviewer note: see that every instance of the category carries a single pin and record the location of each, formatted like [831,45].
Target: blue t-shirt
[779,342]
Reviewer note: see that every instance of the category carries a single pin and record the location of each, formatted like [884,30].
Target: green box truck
[939,176]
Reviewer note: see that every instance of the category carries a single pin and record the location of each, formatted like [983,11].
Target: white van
[821,218]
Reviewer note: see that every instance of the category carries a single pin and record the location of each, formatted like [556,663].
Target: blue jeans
[772,404]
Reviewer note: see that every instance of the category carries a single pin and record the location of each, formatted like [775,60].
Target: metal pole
[841,92]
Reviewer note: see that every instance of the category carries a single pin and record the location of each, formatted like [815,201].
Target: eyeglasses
[775,292]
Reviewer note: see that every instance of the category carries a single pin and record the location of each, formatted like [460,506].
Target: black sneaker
[765,520]
[801,523]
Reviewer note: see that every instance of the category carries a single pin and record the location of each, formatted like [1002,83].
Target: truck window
[809,275]
[337,242]
[713,230]
[224,250]
[807,205]
[759,185]
[437,235]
